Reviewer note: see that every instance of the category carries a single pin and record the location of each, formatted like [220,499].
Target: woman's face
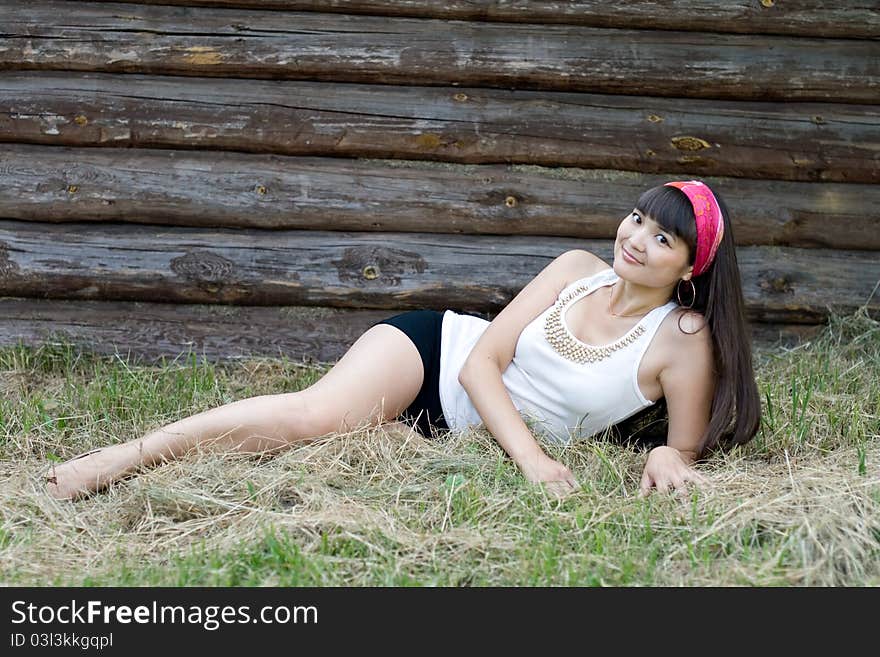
[661,258]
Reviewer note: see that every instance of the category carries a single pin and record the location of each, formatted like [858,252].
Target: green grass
[799,505]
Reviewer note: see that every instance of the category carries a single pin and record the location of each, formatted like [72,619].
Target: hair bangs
[671,208]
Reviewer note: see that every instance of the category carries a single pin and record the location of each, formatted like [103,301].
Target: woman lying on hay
[581,348]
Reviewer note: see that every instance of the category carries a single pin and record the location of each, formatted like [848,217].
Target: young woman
[582,347]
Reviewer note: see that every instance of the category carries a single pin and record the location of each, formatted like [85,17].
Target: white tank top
[557,390]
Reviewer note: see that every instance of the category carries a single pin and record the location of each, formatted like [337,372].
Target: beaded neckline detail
[568,346]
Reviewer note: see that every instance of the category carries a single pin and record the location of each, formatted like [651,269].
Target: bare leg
[373,382]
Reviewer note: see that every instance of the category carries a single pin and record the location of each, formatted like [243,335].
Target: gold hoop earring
[693,293]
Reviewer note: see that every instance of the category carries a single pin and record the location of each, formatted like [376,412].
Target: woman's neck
[627,299]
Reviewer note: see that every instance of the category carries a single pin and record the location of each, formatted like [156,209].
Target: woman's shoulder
[690,321]
[685,333]
[686,367]
[583,264]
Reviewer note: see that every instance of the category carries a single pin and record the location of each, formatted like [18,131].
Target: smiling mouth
[630,255]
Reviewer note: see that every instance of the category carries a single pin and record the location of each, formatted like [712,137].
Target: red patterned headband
[710,224]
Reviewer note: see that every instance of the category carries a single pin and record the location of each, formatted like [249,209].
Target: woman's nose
[637,240]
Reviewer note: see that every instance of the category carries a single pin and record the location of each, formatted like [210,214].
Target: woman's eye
[638,219]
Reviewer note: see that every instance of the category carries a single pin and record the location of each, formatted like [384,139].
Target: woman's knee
[312,414]
[377,378]
[281,419]
[293,415]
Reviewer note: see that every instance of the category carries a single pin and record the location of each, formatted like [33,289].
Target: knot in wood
[71,189]
[775,283]
[261,190]
[7,266]
[429,140]
[367,262]
[203,267]
[653,118]
[80,120]
[767,3]
[818,120]
[510,201]
[460,97]
[686,143]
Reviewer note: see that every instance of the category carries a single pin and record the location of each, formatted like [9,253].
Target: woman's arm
[492,354]
[487,393]
[688,383]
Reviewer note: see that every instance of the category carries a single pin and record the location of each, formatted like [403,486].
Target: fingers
[676,482]
[646,483]
[557,488]
[566,483]
[694,477]
[560,488]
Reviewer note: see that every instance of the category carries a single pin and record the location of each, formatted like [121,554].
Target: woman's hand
[666,469]
[541,469]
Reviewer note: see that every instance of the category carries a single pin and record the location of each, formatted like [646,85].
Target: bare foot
[85,474]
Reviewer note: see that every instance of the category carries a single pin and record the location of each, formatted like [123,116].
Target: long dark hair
[736,406]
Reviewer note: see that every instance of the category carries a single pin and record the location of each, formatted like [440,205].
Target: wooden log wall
[798,17]
[244,177]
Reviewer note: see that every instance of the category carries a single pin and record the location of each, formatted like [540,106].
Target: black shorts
[424,327]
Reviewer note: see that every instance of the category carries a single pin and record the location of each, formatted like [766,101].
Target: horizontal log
[152,331]
[791,141]
[852,19]
[236,190]
[165,40]
[769,337]
[128,262]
